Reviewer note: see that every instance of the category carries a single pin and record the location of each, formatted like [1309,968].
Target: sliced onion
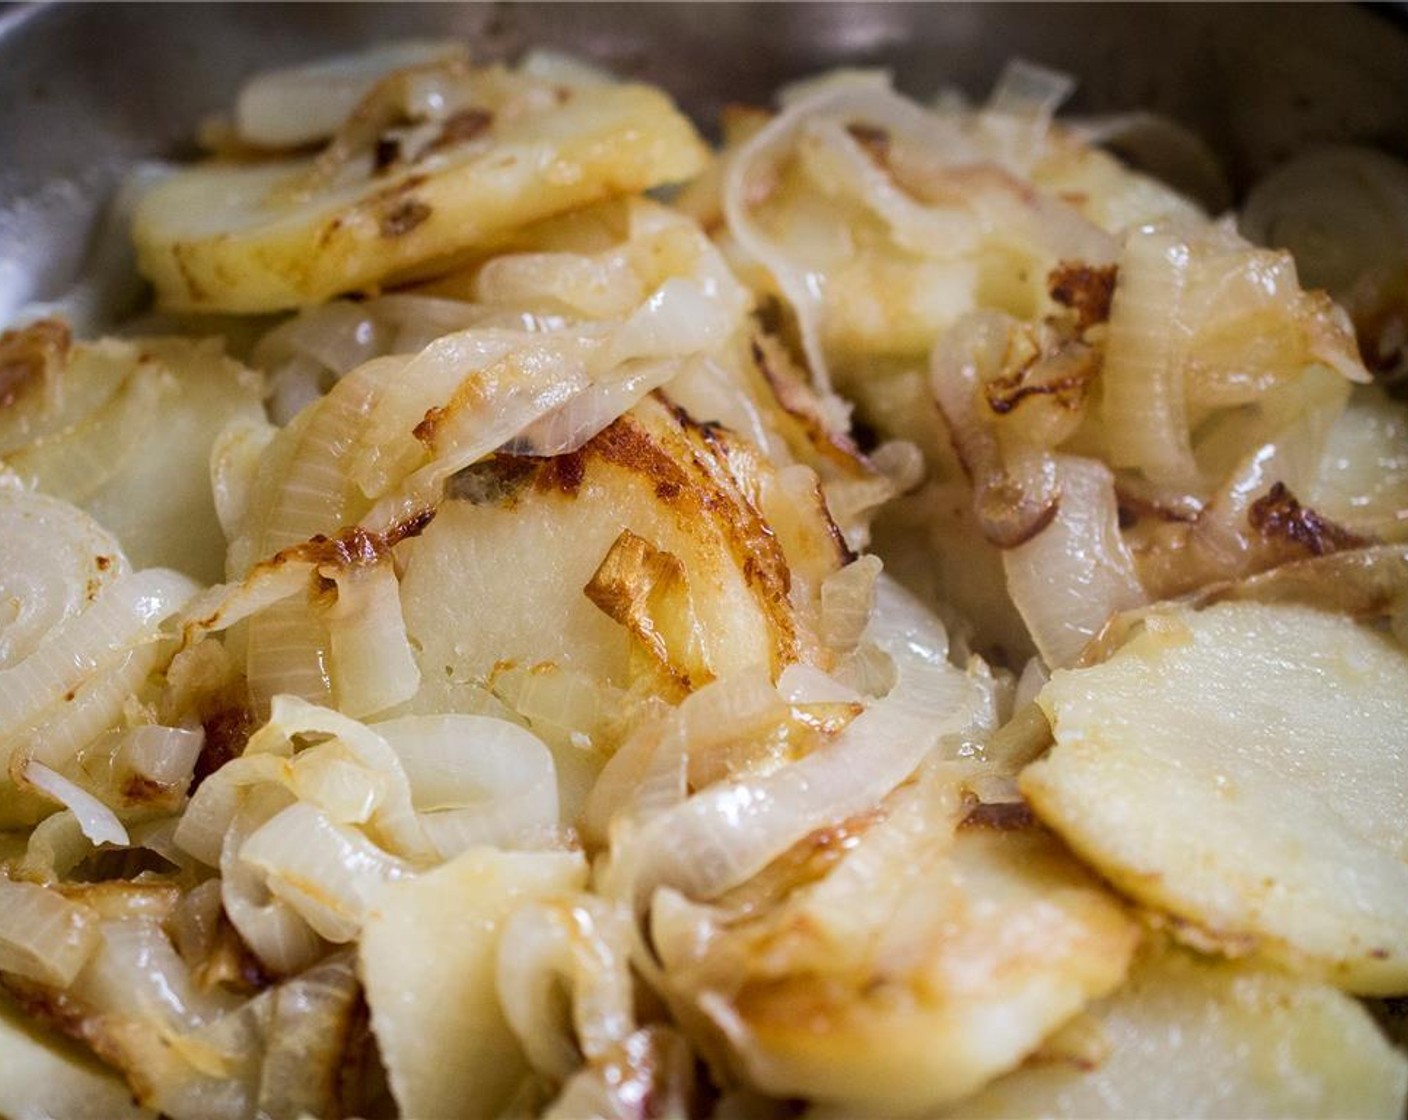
[1073,575]
[43,935]
[68,725]
[580,942]
[153,757]
[99,823]
[303,104]
[393,824]
[755,163]
[373,667]
[126,614]
[730,831]
[137,973]
[274,931]
[50,567]
[56,846]
[1015,493]
[307,1045]
[1144,409]
[568,427]
[474,779]
[328,873]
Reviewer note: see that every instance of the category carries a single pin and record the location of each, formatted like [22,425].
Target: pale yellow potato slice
[127,434]
[261,237]
[1245,768]
[986,950]
[46,1076]
[1194,1037]
[645,552]
[427,957]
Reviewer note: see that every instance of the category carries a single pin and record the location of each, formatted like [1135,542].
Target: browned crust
[1008,816]
[353,546]
[30,355]
[644,588]
[403,217]
[1086,290]
[1067,390]
[1280,517]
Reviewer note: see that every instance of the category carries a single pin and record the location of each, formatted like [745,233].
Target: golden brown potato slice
[390,199]
[1190,1036]
[1245,768]
[648,543]
[927,979]
[426,959]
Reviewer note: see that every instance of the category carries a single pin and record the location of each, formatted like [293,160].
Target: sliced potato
[648,542]
[1245,768]
[1362,482]
[426,959]
[127,435]
[1193,1037]
[48,1076]
[971,962]
[267,236]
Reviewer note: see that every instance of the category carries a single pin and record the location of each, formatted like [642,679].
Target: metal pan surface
[87,89]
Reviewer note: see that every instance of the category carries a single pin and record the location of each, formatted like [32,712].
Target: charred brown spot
[29,354]
[1063,378]
[354,546]
[1279,516]
[104,563]
[1007,816]
[461,128]
[226,734]
[496,480]
[429,425]
[563,473]
[404,217]
[875,141]
[1085,290]
[141,790]
[385,152]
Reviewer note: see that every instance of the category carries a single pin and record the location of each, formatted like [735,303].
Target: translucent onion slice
[99,823]
[1143,398]
[44,936]
[54,559]
[372,666]
[127,614]
[580,943]
[1076,573]
[474,779]
[328,873]
[728,832]
[302,104]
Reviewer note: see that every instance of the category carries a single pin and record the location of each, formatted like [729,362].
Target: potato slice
[229,237]
[426,959]
[128,436]
[971,961]
[1245,768]
[1189,1036]
[579,545]
[52,1076]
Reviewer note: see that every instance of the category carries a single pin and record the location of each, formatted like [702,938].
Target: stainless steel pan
[85,89]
